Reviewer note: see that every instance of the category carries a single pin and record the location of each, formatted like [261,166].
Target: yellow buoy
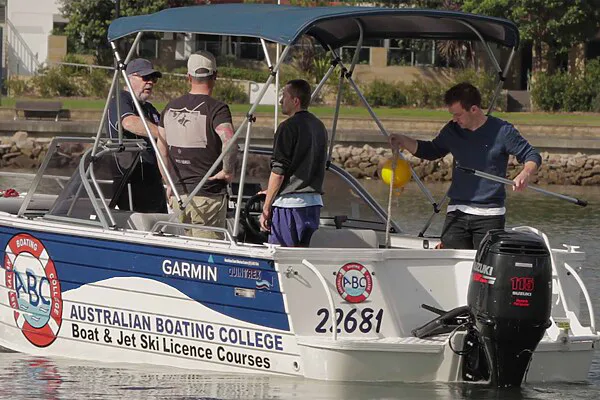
[402,173]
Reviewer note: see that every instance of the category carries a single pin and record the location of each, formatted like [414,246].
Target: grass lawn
[539,118]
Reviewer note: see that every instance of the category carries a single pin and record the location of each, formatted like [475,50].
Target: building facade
[28,27]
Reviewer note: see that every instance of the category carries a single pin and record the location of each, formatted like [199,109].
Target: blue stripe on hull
[81,261]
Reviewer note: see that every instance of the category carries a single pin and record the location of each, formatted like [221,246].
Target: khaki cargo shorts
[203,210]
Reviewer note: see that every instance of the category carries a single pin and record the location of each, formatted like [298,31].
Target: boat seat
[344,238]
[145,222]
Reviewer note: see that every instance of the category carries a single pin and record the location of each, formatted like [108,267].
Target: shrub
[97,83]
[244,74]
[485,81]
[379,93]
[170,87]
[17,87]
[230,92]
[349,96]
[52,82]
[424,94]
[73,70]
[578,95]
[595,107]
[227,60]
[562,91]
[548,90]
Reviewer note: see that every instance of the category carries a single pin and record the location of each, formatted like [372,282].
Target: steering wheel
[251,223]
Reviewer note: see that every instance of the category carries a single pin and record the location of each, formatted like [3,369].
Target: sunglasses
[149,78]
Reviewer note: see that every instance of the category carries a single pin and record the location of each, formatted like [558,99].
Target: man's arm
[275,182]
[134,124]
[525,153]
[428,150]
[225,132]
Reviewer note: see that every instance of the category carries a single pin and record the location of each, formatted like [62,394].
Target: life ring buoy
[33,289]
[354,282]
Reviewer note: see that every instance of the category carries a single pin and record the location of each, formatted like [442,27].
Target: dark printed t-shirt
[124,160]
[190,123]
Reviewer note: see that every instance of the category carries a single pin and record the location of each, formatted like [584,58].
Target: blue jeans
[466,231]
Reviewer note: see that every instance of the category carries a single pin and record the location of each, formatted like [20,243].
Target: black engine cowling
[510,300]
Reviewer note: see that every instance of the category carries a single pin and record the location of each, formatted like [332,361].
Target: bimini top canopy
[333,26]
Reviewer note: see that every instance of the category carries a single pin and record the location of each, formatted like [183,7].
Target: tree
[555,25]
[431,4]
[89,20]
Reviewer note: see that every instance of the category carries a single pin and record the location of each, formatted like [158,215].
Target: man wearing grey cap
[147,191]
[194,130]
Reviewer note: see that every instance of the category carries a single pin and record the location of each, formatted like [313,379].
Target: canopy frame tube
[343,74]
[501,73]
[113,85]
[501,80]
[315,93]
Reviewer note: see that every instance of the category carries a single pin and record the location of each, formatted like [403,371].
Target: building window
[148,48]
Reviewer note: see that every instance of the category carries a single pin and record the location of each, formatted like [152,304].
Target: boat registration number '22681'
[366,320]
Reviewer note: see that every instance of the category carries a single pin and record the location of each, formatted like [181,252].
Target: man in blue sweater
[481,142]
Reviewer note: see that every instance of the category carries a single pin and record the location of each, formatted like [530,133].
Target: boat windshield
[342,196]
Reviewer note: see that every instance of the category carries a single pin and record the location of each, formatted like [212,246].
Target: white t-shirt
[483,211]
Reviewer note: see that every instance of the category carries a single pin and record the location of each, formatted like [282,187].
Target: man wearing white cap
[194,129]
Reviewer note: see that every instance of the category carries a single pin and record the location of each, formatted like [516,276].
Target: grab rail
[329,297]
[224,231]
[569,269]
[586,295]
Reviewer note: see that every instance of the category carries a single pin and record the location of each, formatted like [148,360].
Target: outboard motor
[510,300]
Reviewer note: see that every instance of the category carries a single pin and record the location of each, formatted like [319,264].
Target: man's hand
[520,181]
[400,142]
[222,175]
[395,141]
[265,220]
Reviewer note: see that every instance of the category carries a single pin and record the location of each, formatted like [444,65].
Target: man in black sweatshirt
[293,205]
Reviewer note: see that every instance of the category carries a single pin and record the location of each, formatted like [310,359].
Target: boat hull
[163,300]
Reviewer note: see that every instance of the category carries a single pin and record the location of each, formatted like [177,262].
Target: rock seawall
[22,151]
[562,169]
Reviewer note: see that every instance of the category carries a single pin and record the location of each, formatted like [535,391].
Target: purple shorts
[293,227]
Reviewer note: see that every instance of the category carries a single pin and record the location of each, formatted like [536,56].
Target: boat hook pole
[505,181]
[388,239]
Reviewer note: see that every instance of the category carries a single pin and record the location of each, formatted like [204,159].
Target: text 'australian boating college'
[171,336]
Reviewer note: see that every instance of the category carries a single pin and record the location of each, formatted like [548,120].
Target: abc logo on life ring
[34,289]
[354,282]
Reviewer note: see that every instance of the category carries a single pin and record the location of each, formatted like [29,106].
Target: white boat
[83,280]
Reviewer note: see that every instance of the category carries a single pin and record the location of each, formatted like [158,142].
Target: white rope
[388,223]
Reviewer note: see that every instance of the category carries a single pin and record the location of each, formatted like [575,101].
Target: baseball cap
[202,64]
[142,67]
